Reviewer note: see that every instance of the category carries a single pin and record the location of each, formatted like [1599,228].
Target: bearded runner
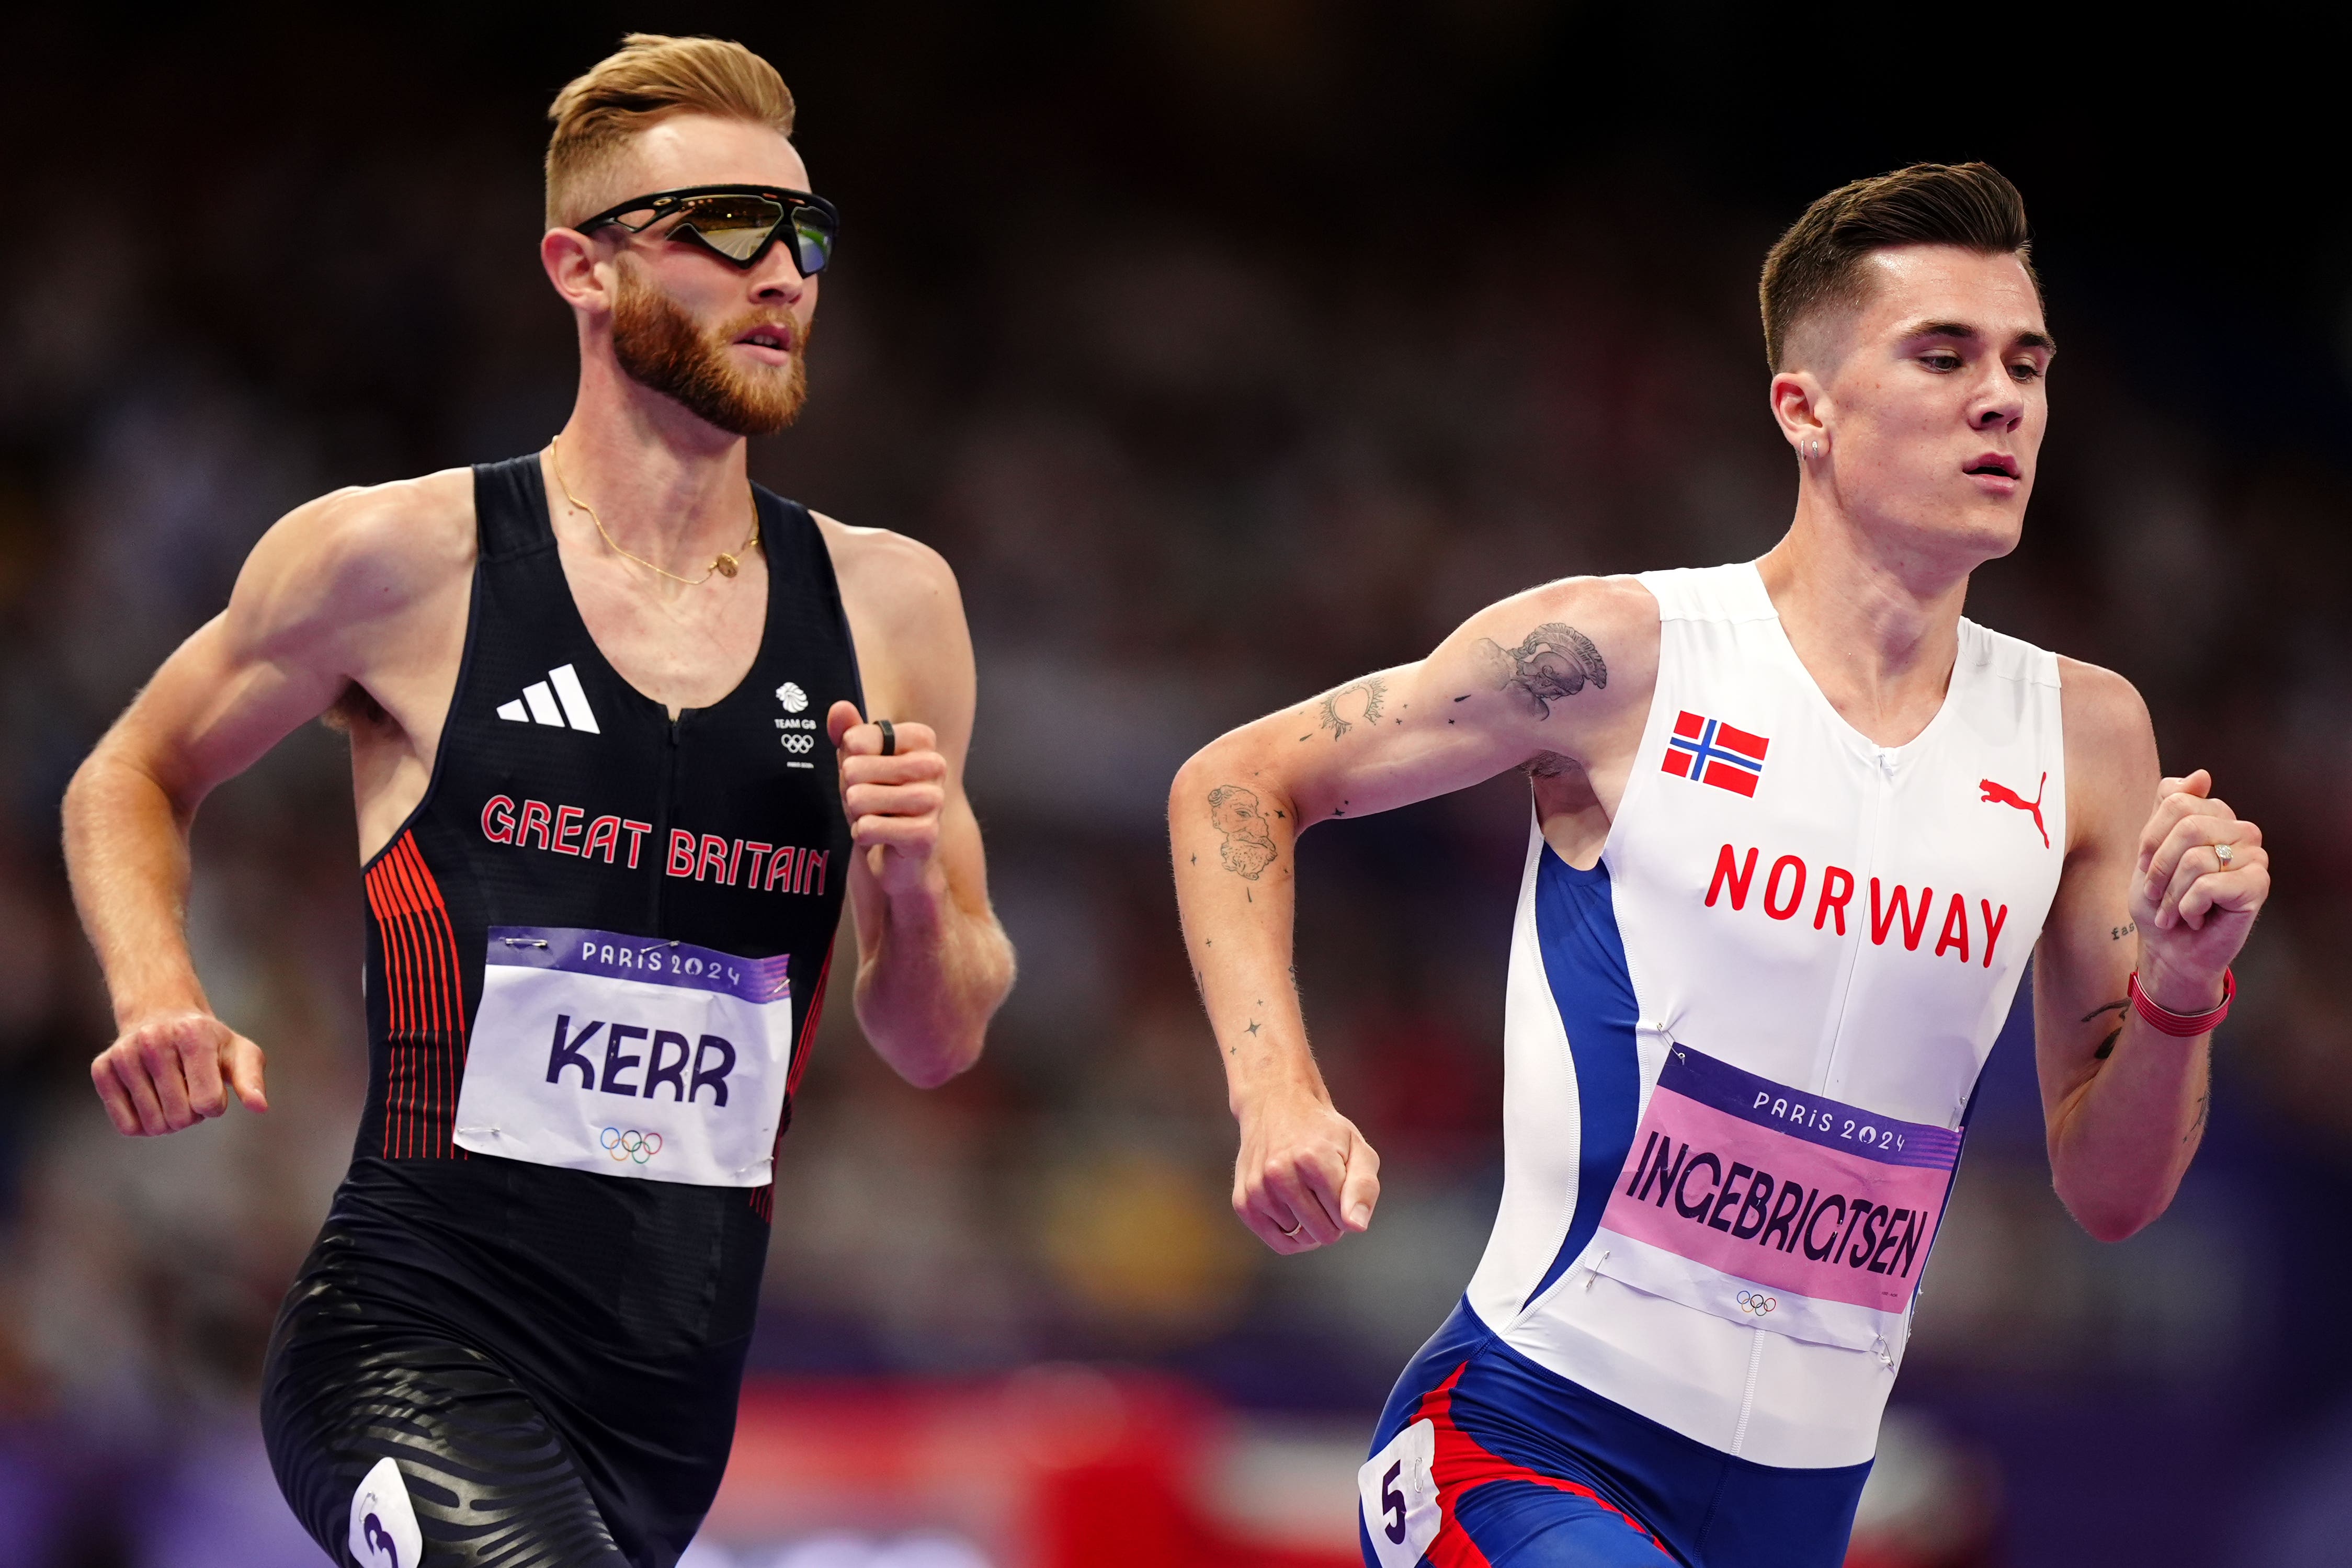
[606,709]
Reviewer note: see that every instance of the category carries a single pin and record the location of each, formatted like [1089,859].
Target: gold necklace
[722,564]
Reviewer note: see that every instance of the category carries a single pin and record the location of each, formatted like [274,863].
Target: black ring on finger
[889,737]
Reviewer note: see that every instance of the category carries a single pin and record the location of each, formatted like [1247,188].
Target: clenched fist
[2203,875]
[166,1071]
[1305,1176]
[893,801]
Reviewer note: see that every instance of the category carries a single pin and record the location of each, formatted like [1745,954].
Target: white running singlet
[1814,940]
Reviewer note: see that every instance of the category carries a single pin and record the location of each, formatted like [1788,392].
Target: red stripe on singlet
[416,1112]
[423,1002]
[419,1019]
[439,943]
[763,1199]
[1461,1464]
[369,884]
[453,1054]
[383,899]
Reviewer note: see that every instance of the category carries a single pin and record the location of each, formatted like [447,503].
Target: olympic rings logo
[631,1144]
[1755,1303]
[799,744]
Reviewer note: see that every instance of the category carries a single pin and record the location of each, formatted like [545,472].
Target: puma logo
[2002,795]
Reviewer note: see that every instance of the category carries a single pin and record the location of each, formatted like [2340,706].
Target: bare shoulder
[1618,609]
[2111,761]
[2105,717]
[914,650]
[900,586]
[364,549]
[1557,639]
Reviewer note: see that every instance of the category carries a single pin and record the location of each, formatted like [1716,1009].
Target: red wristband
[2183,1025]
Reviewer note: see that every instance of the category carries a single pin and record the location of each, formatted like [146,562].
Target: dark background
[1228,349]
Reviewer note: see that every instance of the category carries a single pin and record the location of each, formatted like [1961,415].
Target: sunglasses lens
[735,226]
[811,240]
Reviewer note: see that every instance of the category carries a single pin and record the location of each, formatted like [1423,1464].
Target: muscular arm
[280,654]
[2125,1103]
[933,962]
[1560,672]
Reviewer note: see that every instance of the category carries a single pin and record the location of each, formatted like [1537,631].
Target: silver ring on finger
[1292,1233]
[2223,853]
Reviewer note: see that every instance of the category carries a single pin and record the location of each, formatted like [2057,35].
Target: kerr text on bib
[1766,1206]
[631,1056]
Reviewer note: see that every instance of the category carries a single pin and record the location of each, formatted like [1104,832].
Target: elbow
[2112,1216]
[947,1059]
[951,1042]
[1201,772]
[1235,759]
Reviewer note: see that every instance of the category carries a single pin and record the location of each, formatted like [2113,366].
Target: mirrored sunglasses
[736,222]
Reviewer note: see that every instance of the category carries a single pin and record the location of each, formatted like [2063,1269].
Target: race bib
[1762,1204]
[631,1056]
[1398,1490]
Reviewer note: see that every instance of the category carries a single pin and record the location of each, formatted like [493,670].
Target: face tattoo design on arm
[1554,662]
[1249,847]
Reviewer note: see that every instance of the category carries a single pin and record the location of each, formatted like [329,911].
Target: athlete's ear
[570,259]
[1797,409]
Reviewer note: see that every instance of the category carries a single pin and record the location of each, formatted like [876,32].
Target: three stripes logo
[558,702]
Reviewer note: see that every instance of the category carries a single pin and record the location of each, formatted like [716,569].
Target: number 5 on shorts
[1400,1496]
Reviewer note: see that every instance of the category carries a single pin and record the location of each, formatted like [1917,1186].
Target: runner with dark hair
[1797,827]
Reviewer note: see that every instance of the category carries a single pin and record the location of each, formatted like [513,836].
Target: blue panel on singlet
[1584,960]
[1711,1510]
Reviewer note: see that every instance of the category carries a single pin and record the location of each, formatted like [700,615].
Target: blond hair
[649,79]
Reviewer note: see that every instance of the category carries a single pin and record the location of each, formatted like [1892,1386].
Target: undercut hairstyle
[1818,264]
[651,77]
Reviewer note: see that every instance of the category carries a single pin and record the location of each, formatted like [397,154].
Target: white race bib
[1398,1489]
[632,1055]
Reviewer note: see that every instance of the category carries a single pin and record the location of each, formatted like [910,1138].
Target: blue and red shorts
[1532,1470]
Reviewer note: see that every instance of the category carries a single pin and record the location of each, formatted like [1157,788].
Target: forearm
[1236,888]
[2120,1145]
[932,974]
[126,843]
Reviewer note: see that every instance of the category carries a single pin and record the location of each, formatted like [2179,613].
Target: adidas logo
[538,703]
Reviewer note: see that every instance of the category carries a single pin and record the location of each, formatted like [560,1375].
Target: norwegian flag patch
[1709,750]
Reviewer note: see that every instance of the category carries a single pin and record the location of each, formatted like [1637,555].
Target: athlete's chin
[1986,536]
[761,403]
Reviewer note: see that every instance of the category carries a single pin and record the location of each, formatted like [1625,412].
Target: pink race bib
[1762,1204]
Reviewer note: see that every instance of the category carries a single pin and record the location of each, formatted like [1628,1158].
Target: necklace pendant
[724,565]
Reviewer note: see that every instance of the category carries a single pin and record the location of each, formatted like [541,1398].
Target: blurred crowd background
[1228,349]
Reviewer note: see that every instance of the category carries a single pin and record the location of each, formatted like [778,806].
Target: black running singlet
[548,1251]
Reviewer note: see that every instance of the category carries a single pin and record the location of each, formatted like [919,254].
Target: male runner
[589,693]
[1797,827]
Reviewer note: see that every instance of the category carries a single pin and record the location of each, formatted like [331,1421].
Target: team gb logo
[792,697]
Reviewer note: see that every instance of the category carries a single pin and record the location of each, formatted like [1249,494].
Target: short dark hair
[1818,263]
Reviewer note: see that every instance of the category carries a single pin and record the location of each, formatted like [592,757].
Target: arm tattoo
[2107,1046]
[1375,688]
[2123,931]
[1248,846]
[1553,663]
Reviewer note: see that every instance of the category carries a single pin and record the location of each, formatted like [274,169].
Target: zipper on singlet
[664,793]
[1881,801]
